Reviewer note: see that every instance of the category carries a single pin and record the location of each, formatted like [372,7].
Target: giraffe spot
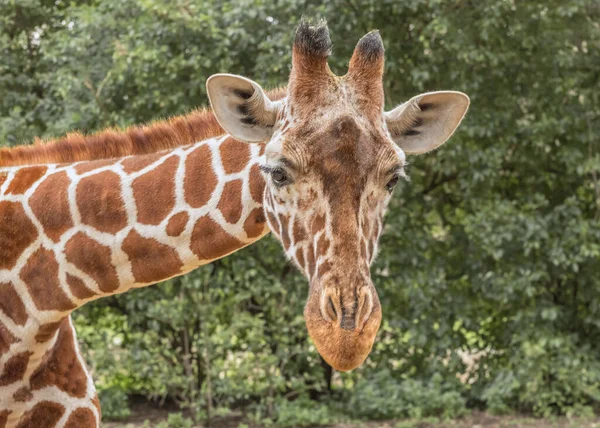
[92,165]
[285,235]
[94,259]
[230,203]
[137,163]
[150,260]
[41,276]
[298,232]
[78,288]
[256,182]
[210,241]
[11,304]
[23,394]
[47,331]
[17,232]
[4,413]
[177,224]
[25,178]
[322,245]
[307,200]
[6,339]
[318,224]
[100,203]
[274,223]
[310,267]
[96,403]
[324,267]
[235,155]
[62,367]
[263,148]
[81,417]
[200,179]
[255,223]
[3,177]
[50,205]
[154,192]
[44,414]
[300,258]
[15,368]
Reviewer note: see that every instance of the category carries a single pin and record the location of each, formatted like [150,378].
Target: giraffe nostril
[329,309]
[365,307]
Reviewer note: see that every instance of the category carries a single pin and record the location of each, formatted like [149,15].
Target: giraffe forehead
[343,146]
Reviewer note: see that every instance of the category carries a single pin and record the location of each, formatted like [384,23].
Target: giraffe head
[332,160]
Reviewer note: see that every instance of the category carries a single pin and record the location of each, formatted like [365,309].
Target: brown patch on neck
[230,204]
[44,414]
[62,367]
[255,223]
[17,232]
[50,205]
[78,288]
[4,417]
[6,339]
[108,144]
[200,180]
[11,304]
[24,179]
[23,394]
[41,276]
[210,241]
[81,417]
[47,331]
[154,192]
[177,224]
[100,202]
[94,259]
[15,368]
[150,260]
[235,155]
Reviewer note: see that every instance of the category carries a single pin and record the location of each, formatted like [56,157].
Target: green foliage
[301,412]
[493,246]
[176,420]
[381,396]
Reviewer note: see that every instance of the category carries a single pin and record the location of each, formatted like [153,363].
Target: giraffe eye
[279,177]
[392,183]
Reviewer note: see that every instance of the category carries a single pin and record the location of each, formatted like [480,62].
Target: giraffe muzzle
[343,324]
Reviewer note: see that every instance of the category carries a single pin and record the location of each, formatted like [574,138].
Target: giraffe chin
[341,348]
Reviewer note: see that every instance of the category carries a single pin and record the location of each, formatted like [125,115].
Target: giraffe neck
[72,233]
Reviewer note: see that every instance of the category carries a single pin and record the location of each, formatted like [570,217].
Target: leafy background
[491,251]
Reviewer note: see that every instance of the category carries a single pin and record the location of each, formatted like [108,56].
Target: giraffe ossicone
[91,216]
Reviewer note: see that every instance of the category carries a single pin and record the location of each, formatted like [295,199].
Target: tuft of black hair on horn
[370,46]
[313,39]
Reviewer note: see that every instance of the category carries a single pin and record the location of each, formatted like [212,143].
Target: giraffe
[85,217]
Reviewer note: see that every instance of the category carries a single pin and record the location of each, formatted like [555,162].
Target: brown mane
[110,143]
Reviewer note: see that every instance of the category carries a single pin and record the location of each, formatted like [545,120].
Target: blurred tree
[494,245]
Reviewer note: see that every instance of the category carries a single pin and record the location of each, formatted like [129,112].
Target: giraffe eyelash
[401,172]
[272,170]
[266,169]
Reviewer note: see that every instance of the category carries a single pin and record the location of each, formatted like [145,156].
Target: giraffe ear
[426,121]
[242,107]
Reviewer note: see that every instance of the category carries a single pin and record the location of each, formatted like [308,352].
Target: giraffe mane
[110,143]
